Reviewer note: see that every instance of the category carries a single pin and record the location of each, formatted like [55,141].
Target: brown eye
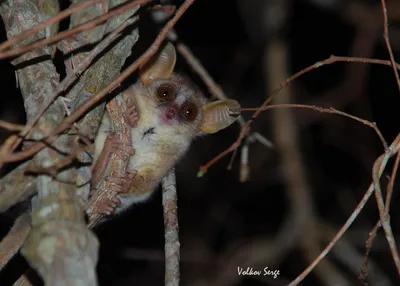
[189,111]
[165,92]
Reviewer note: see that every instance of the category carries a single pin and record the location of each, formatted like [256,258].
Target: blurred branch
[11,126]
[172,245]
[389,48]
[368,247]
[348,254]
[294,173]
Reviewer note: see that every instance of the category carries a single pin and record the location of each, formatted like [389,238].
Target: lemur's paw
[121,148]
[132,114]
[107,206]
[122,184]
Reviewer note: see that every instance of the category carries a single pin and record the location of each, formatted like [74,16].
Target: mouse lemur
[165,112]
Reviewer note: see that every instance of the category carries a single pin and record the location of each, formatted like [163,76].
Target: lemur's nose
[170,113]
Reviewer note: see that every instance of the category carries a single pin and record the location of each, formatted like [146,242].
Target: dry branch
[172,245]
[80,28]
[389,48]
[60,16]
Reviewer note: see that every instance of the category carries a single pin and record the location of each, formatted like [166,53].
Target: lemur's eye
[165,92]
[189,111]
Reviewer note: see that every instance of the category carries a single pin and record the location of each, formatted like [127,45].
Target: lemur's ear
[160,66]
[219,115]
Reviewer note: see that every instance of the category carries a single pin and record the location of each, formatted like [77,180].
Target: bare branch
[389,48]
[172,245]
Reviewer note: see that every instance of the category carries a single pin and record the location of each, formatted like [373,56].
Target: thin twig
[53,170]
[60,16]
[80,28]
[327,110]
[196,65]
[387,41]
[255,136]
[389,189]
[368,247]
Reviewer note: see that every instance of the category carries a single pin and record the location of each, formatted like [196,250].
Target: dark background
[219,216]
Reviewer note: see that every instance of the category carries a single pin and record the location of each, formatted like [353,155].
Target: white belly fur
[145,155]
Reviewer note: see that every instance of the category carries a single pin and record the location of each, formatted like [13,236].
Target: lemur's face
[176,103]
[179,107]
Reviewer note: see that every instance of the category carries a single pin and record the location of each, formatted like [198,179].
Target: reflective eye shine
[165,92]
[189,111]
